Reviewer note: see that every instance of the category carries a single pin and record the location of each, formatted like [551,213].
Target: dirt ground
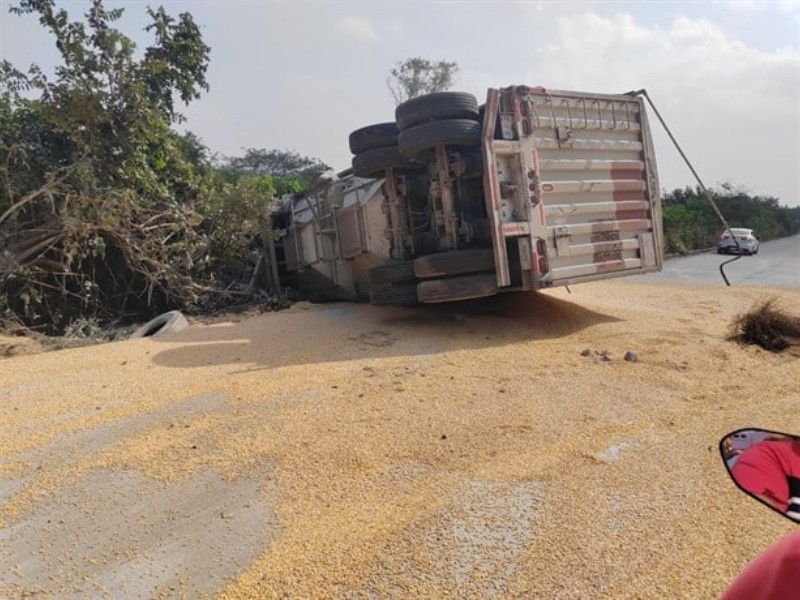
[351,451]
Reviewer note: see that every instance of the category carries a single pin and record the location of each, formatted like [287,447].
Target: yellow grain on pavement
[352,451]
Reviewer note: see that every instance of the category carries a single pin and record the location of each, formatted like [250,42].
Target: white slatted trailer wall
[596,184]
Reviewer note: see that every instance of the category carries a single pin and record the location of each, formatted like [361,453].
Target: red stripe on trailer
[610,266]
[626,195]
[535,160]
[630,214]
[627,183]
[634,224]
[604,235]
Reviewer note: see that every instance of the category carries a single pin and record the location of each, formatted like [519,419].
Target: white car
[747,241]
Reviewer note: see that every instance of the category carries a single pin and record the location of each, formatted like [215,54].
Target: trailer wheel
[440,105]
[370,137]
[449,132]
[394,294]
[454,262]
[465,287]
[401,271]
[372,163]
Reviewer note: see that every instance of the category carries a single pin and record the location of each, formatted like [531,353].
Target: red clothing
[774,575]
[770,469]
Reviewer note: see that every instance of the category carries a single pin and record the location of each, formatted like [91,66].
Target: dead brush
[767,325]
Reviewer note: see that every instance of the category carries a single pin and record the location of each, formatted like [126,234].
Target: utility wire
[708,194]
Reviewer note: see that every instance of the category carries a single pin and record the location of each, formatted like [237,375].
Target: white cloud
[761,5]
[732,107]
[357,28]
[747,5]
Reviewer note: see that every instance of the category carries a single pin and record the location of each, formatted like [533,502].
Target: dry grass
[767,325]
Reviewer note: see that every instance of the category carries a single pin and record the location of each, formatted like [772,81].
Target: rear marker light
[543,266]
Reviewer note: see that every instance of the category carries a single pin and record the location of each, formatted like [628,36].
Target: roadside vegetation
[107,214]
[691,224]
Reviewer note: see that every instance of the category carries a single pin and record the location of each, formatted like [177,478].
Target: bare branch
[46,188]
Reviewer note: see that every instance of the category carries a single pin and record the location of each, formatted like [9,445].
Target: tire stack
[443,118]
[449,119]
[375,149]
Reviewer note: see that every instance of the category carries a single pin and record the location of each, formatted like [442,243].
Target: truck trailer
[454,200]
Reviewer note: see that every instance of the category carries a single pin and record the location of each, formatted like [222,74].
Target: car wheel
[454,262]
[465,287]
[370,137]
[373,163]
[440,105]
[450,132]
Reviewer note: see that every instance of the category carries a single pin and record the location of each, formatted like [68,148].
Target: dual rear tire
[434,278]
[440,119]
[450,119]
[375,149]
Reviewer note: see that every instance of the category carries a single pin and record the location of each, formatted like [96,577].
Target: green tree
[417,76]
[288,171]
[101,202]
[691,224]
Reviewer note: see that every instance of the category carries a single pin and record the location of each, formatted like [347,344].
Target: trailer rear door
[590,200]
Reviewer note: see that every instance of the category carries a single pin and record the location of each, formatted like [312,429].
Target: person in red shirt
[774,575]
[770,471]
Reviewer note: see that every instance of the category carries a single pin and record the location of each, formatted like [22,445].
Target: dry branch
[45,189]
[768,326]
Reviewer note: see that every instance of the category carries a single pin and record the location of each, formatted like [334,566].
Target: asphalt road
[776,265]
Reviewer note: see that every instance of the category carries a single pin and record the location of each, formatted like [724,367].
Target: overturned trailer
[533,189]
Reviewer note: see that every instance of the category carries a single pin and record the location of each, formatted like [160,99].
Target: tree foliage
[417,76]
[287,171]
[106,212]
[690,222]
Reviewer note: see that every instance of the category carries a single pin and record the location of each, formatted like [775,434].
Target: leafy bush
[690,222]
[106,213]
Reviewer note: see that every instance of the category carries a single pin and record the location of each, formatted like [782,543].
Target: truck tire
[168,322]
[372,164]
[394,294]
[401,271]
[465,287]
[370,137]
[449,132]
[454,262]
[440,105]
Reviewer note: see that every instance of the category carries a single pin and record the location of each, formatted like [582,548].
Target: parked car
[748,241]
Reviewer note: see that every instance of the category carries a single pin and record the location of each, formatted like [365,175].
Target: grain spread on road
[352,451]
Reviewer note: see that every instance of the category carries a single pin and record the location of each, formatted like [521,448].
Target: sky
[300,75]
